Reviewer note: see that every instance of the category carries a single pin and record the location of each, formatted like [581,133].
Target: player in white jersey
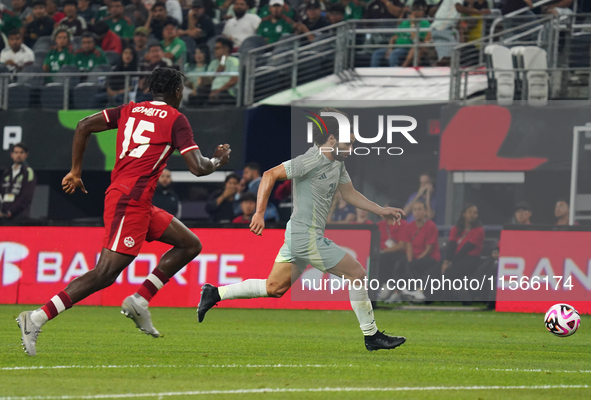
[316,175]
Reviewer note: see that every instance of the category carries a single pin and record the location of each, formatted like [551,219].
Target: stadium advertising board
[540,268]
[50,146]
[37,262]
[516,138]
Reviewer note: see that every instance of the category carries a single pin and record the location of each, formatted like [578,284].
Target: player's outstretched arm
[200,165]
[86,126]
[265,187]
[358,200]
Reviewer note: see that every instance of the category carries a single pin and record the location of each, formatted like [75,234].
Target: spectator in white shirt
[174,10]
[17,55]
[243,25]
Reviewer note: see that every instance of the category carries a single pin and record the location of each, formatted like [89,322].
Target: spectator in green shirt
[199,63]
[88,56]
[9,21]
[287,10]
[173,46]
[276,23]
[60,54]
[102,13]
[393,55]
[354,9]
[118,22]
[222,87]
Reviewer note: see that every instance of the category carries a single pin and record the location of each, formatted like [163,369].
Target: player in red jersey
[148,133]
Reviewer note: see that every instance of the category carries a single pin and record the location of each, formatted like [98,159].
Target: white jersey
[314,182]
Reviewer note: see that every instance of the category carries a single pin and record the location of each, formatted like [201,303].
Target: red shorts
[128,223]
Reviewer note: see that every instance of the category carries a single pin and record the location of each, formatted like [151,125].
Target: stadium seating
[536,78]
[43,43]
[40,57]
[76,43]
[52,96]
[84,93]
[113,57]
[501,73]
[74,79]
[31,81]
[18,96]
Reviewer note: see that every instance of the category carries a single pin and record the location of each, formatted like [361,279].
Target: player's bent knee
[276,291]
[106,277]
[359,273]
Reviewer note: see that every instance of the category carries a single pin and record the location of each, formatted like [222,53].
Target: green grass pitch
[94,352]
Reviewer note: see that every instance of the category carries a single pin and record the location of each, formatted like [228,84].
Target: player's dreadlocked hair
[165,81]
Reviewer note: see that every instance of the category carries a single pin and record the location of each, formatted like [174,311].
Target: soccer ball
[562,320]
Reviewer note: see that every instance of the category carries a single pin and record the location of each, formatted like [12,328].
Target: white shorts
[303,249]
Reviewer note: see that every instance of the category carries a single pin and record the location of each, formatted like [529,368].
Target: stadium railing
[74,90]
[294,61]
[565,39]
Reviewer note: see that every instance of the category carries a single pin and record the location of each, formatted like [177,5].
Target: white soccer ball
[562,320]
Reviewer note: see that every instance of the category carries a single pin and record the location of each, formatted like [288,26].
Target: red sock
[58,304]
[152,284]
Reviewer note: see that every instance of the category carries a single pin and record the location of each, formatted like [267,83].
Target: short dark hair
[71,3]
[22,145]
[171,21]
[421,202]
[248,196]
[231,176]
[88,35]
[13,32]
[159,4]
[563,199]
[100,28]
[39,3]
[165,81]
[522,205]
[254,166]
[332,127]
[419,4]
[224,41]
[336,8]
[116,1]
[154,45]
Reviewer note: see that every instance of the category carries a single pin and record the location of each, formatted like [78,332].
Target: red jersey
[474,236]
[419,238]
[241,220]
[391,232]
[148,133]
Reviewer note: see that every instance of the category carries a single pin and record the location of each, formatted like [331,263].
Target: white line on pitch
[41,367]
[296,390]
[170,366]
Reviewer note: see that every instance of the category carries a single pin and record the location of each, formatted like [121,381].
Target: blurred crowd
[200,36]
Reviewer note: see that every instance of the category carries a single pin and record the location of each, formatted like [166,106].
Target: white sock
[39,317]
[362,306]
[248,289]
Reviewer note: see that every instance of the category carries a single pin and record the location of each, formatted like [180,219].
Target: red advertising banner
[38,262]
[540,268]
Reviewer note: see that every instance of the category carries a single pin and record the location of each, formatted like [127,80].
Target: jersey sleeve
[344,177]
[112,116]
[300,166]
[182,135]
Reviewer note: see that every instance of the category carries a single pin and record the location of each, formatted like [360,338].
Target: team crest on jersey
[129,242]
